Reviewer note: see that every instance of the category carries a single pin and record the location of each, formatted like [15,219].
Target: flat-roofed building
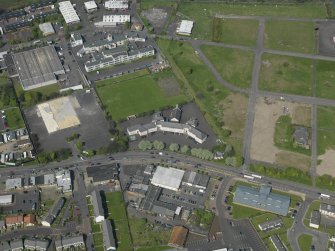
[277,243]
[108,235]
[194,179]
[6,199]
[169,178]
[113,20]
[178,236]
[69,13]
[328,210]
[185,28]
[269,225]
[99,214]
[116,4]
[63,179]
[263,199]
[90,6]
[76,39]
[47,29]
[103,174]
[38,67]
[315,219]
[14,183]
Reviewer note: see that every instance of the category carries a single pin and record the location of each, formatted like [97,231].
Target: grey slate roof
[315,217]
[4,246]
[262,199]
[97,204]
[196,179]
[270,224]
[328,208]
[277,243]
[301,135]
[102,173]
[175,113]
[16,245]
[107,231]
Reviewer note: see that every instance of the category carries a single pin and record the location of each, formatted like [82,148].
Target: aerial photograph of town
[176,125]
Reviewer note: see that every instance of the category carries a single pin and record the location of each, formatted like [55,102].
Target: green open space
[325,79]
[235,31]
[161,248]
[14,118]
[289,173]
[210,96]
[149,4]
[326,128]
[38,95]
[98,240]
[234,65]
[117,213]
[147,236]
[203,13]
[325,181]
[305,241]
[286,74]
[135,96]
[283,136]
[290,36]
[7,94]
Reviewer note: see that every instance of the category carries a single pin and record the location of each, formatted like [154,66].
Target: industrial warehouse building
[262,199]
[185,28]
[38,67]
[90,6]
[68,12]
[113,20]
[169,178]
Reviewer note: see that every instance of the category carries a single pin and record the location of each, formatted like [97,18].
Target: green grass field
[305,241]
[283,136]
[117,213]
[290,36]
[202,13]
[234,66]
[135,96]
[161,248]
[14,118]
[326,128]
[286,74]
[211,97]
[325,79]
[235,31]
[147,237]
[149,4]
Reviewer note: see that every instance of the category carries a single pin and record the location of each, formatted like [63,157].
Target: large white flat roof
[90,5]
[169,178]
[185,27]
[69,13]
[6,199]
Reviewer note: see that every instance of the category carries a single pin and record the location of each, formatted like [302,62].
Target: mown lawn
[235,31]
[326,128]
[203,13]
[235,66]
[134,96]
[146,236]
[286,74]
[14,118]
[117,214]
[325,79]
[290,36]
[305,241]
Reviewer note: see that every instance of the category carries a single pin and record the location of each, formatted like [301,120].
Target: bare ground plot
[262,145]
[286,74]
[93,128]
[326,42]
[301,115]
[327,163]
[157,17]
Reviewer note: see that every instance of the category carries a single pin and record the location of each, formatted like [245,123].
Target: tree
[145,145]
[184,149]
[127,25]
[174,147]
[158,145]
[229,150]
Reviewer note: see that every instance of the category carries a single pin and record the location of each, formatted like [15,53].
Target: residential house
[108,235]
[68,243]
[29,220]
[16,245]
[327,210]
[36,244]
[13,220]
[175,114]
[99,215]
[53,212]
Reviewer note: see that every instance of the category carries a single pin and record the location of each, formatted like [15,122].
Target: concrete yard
[326,42]
[93,127]
[327,163]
